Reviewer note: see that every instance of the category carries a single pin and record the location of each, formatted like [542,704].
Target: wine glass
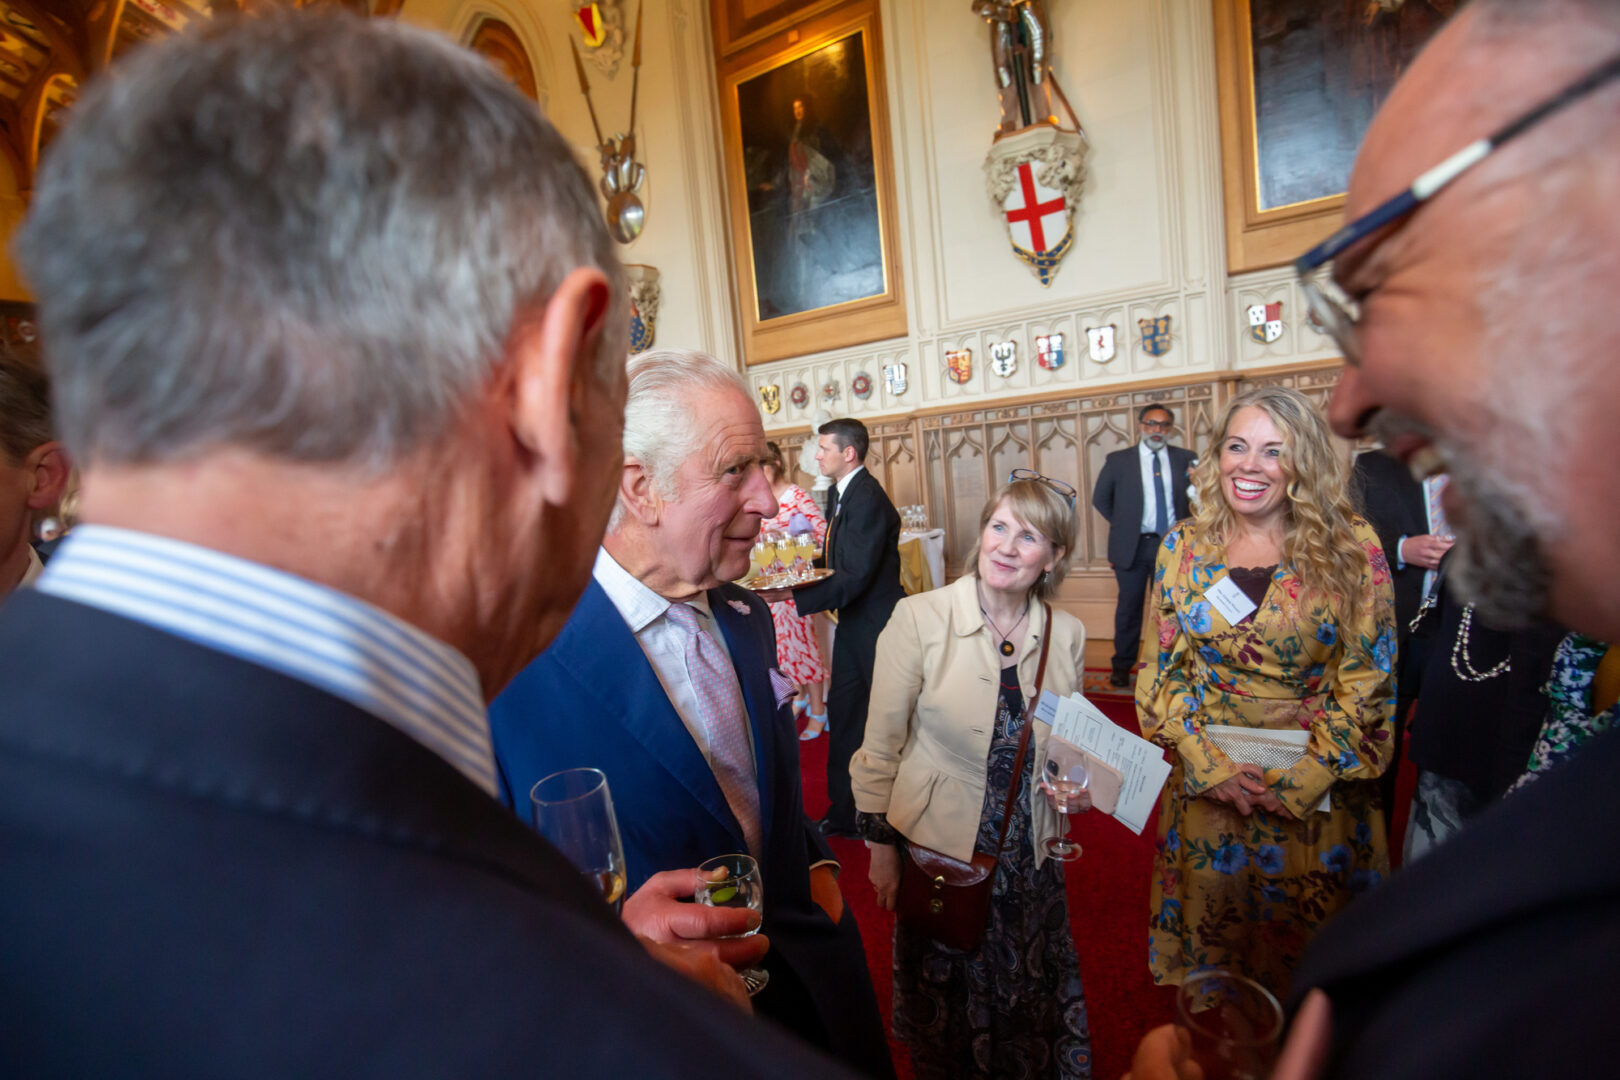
[1066,780]
[574,810]
[733,881]
[787,550]
[1234,1023]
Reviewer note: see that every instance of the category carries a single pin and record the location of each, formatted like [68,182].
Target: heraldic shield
[770,399]
[959,365]
[1155,335]
[1034,178]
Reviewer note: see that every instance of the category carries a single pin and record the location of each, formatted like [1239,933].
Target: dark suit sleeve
[863,531]
[1102,496]
[1376,504]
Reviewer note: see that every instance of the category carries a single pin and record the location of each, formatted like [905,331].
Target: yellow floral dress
[1247,893]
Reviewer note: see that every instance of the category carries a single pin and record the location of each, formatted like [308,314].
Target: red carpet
[1108,906]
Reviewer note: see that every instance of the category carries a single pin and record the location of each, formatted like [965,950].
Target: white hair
[660,428]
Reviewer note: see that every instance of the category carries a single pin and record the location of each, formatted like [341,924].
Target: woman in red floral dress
[797,654]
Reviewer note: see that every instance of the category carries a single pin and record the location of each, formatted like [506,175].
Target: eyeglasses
[1056,485]
[1157,425]
[1330,308]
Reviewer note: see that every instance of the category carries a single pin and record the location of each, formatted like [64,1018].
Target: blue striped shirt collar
[309,632]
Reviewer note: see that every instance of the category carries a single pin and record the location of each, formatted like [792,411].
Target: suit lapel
[753,673]
[604,655]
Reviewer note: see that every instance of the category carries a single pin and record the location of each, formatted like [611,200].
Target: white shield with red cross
[1033,178]
[1038,220]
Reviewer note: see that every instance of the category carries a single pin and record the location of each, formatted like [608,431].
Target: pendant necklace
[1006,646]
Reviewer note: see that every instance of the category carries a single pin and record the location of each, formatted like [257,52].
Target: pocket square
[785,687]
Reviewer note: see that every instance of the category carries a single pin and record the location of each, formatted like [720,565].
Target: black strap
[1029,725]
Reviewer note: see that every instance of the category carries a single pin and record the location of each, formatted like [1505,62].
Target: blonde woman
[1271,608]
[954,669]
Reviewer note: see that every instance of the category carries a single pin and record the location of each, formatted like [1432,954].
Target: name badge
[1232,602]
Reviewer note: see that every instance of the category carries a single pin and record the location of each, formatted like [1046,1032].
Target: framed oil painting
[1299,83]
[811,189]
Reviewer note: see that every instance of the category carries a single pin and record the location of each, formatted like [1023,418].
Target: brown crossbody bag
[948,899]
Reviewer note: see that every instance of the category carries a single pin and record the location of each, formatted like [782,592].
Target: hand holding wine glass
[733,881]
[1064,779]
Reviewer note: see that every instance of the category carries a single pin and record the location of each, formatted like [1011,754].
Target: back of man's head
[848,433]
[305,236]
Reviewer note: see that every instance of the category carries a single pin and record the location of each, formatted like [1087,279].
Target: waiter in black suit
[1141,491]
[247,796]
[863,551]
[1393,502]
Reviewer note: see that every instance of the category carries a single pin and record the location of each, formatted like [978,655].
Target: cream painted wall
[1149,240]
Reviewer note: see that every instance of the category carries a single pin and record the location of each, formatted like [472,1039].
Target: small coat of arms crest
[1100,343]
[799,395]
[770,399]
[1049,351]
[1004,358]
[861,385]
[894,376]
[959,365]
[1155,335]
[1265,322]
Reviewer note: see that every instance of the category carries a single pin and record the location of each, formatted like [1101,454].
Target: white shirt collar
[33,568]
[843,485]
[638,605]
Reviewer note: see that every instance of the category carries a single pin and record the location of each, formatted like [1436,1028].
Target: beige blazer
[933,711]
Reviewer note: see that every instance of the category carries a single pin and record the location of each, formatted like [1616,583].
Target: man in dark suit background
[665,678]
[1394,504]
[863,551]
[1141,492]
[33,467]
[349,425]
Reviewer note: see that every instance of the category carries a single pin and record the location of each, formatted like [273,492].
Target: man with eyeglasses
[1141,491]
[1476,313]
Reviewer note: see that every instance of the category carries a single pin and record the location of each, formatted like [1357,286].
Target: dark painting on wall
[1321,70]
[814,229]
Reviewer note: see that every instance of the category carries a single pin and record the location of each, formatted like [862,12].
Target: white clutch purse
[1269,748]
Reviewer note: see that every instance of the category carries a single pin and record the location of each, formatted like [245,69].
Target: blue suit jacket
[593,699]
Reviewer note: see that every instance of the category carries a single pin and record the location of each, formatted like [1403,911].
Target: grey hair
[660,430]
[307,235]
[25,407]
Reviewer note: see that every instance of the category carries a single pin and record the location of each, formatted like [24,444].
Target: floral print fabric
[797,654]
[1247,893]
[1570,719]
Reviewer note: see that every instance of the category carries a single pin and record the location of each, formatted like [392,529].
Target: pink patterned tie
[725,720]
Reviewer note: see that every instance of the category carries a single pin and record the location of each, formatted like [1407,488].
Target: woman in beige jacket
[954,668]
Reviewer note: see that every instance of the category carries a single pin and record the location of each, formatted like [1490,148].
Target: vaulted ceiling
[49,48]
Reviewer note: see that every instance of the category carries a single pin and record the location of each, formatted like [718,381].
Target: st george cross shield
[1265,322]
[1049,351]
[959,365]
[1038,220]
[1100,343]
[1004,358]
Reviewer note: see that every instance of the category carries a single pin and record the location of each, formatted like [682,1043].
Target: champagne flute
[786,549]
[1066,781]
[804,549]
[733,881]
[761,555]
[574,810]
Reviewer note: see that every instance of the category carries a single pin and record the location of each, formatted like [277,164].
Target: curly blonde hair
[1319,544]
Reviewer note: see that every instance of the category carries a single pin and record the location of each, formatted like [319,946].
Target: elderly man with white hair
[337,336]
[665,680]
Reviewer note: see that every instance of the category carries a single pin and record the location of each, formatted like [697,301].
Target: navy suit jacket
[1118,497]
[208,868]
[593,699]
[863,550]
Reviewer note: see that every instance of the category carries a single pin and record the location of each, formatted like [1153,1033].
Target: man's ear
[636,494]
[48,466]
[552,353]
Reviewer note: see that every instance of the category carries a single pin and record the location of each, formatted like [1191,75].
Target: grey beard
[1497,564]
[1155,442]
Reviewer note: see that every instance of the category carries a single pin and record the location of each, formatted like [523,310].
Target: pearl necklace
[1460,658]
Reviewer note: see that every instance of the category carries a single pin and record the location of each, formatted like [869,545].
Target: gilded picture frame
[810,185]
[1298,81]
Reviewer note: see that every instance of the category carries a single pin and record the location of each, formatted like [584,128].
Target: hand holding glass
[1065,784]
[574,810]
[733,881]
[1234,1023]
